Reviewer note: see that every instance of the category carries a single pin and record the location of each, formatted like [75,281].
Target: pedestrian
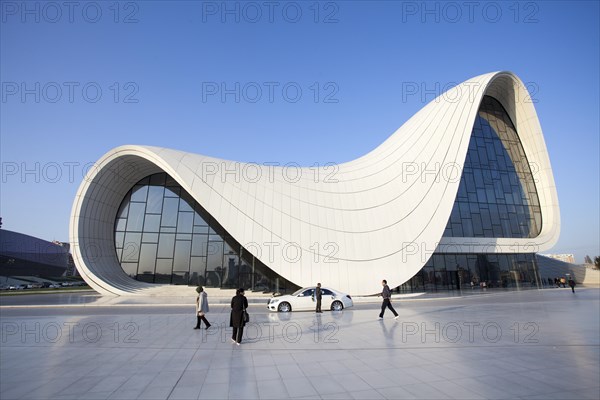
[201,307]
[386,293]
[572,284]
[556,282]
[318,297]
[237,320]
[563,281]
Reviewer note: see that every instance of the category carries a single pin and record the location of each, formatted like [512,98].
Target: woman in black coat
[239,303]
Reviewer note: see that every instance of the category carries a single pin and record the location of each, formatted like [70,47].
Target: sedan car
[303,300]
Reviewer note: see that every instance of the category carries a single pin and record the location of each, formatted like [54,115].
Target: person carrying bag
[201,307]
[239,317]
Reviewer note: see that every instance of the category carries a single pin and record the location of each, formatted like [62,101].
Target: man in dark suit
[318,297]
[386,293]
[239,303]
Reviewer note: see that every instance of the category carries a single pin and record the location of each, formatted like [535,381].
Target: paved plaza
[536,344]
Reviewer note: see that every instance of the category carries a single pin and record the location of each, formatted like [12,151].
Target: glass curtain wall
[162,235]
[496,198]
[496,195]
[475,271]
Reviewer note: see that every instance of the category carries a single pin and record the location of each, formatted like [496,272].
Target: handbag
[246,317]
[200,314]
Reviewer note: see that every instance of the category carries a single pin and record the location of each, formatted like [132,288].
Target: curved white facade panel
[349,226]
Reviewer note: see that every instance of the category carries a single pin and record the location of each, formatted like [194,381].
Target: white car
[303,300]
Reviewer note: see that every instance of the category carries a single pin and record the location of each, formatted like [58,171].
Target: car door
[327,299]
[304,300]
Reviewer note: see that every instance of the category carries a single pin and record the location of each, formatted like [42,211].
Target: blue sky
[79,81]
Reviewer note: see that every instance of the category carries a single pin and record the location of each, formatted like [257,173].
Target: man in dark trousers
[239,303]
[386,293]
[572,284]
[318,297]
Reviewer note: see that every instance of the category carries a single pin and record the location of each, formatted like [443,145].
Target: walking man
[572,284]
[318,297]
[386,293]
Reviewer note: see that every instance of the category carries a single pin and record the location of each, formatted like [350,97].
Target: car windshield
[304,292]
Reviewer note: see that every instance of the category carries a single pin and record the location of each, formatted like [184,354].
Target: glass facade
[162,235]
[462,271]
[496,199]
[496,196]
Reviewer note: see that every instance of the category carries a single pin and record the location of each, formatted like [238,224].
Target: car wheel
[284,307]
[337,306]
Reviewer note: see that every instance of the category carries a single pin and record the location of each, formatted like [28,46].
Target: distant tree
[597,261]
[587,260]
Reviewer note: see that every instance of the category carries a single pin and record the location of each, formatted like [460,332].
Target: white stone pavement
[528,345]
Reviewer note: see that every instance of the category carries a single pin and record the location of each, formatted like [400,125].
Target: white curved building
[462,192]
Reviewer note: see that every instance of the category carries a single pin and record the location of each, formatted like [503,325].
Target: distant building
[568,258]
[24,255]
